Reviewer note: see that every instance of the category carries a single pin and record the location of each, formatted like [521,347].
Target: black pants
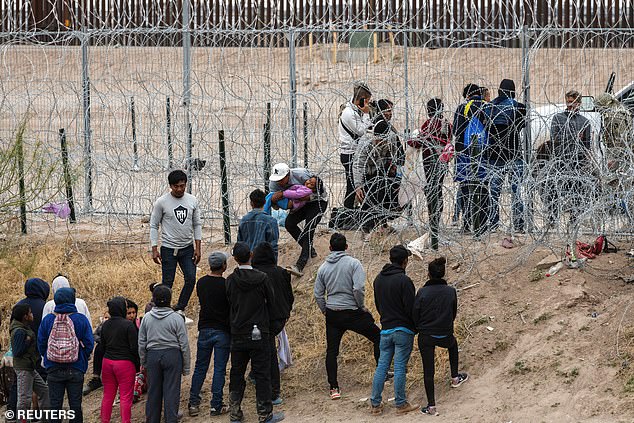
[427,345]
[381,198]
[97,359]
[243,350]
[477,207]
[164,369]
[347,160]
[311,215]
[435,176]
[337,323]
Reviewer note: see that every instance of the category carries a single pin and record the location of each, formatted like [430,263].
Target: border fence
[137,92]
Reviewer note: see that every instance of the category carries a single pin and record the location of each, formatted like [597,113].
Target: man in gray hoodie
[340,294]
[164,352]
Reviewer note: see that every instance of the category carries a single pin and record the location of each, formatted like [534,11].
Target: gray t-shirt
[179,219]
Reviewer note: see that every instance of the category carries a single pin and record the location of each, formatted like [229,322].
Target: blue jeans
[397,345]
[217,342]
[71,381]
[497,175]
[185,259]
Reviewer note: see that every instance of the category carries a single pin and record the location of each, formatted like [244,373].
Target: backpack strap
[349,131]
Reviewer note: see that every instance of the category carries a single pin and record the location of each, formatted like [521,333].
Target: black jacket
[394,297]
[508,121]
[280,280]
[119,336]
[214,306]
[36,291]
[249,293]
[435,308]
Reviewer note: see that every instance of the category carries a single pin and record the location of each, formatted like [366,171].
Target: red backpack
[63,345]
[601,244]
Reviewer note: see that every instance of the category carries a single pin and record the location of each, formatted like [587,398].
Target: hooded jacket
[435,308]
[249,292]
[280,280]
[353,125]
[508,119]
[394,294]
[36,291]
[342,278]
[65,304]
[163,328]
[119,336]
[62,282]
[25,356]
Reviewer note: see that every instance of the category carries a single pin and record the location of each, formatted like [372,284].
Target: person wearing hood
[250,297]
[340,295]
[164,352]
[36,291]
[26,358]
[504,153]
[61,281]
[435,309]
[434,137]
[354,123]
[569,151]
[375,175]
[394,299]
[119,337]
[67,373]
[279,308]
[213,336]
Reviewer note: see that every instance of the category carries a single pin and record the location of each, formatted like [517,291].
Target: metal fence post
[187,43]
[21,184]
[293,94]
[306,135]
[68,182]
[135,149]
[87,131]
[528,140]
[267,148]
[406,80]
[224,186]
[168,128]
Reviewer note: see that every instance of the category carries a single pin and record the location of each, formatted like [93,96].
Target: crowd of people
[487,144]
[242,315]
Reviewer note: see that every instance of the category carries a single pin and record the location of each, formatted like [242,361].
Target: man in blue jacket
[256,226]
[66,376]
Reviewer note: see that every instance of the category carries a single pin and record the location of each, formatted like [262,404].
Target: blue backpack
[475,132]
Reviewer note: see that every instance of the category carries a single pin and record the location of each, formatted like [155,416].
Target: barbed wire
[290,72]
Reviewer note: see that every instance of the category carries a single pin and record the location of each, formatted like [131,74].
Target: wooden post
[310,47]
[334,47]
[375,39]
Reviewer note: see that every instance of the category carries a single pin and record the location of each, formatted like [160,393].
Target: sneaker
[277,401]
[406,407]
[430,410]
[224,409]
[367,236]
[376,410]
[313,253]
[275,417]
[457,381]
[194,410]
[92,385]
[389,375]
[295,271]
[335,394]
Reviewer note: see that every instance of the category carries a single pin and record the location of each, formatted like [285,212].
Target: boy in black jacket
[249,293]
[279,308]
[435,309]
[394,299]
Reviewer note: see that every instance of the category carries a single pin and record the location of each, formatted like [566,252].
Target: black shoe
[92,385]
[313,253]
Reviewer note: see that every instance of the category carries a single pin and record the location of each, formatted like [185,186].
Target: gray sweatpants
[30,381]
[164,369]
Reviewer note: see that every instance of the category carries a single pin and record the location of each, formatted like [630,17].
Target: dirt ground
[537,349]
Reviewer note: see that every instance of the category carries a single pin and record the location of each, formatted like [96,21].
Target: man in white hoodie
[61,281]
[340,294]
[354,123]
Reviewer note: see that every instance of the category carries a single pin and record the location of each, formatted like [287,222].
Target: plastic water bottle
[256,335]
[554,269]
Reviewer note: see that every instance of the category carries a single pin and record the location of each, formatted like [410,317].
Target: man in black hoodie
[249,293]
[504,153]
[279,307]
[435,309]
[394,298]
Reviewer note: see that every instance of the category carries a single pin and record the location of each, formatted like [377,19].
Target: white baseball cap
[279,171]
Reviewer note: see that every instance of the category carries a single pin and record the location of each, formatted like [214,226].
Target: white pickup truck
[541,117]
